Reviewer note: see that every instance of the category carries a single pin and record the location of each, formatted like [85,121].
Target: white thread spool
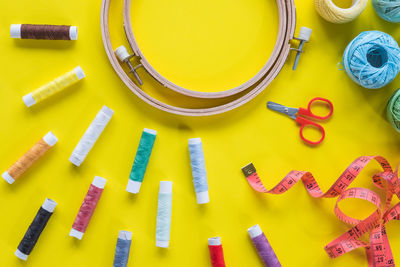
[199,172]
[91,135]
[164,212]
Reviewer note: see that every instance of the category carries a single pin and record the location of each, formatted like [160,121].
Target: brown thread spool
[30,157]
[43,32]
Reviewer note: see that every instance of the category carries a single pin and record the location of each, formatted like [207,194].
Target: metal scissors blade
[291,112]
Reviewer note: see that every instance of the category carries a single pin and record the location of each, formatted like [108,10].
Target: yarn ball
[372,59]
[393,110]
[387,9]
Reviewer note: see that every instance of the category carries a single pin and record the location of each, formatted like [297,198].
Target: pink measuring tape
[378,249]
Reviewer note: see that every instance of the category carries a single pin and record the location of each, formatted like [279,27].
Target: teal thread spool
[389,10]
[164,212]
[393,110]
[141,160]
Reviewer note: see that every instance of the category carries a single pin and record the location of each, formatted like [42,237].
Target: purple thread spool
[263,247]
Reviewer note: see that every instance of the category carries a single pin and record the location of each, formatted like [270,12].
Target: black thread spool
[43,32]
[35,229]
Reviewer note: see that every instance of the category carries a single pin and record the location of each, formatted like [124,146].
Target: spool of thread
[38,224]
[216,252]
[53,87]
[164,212]
[332,13]
[393,110]
[30,157]
[389,10]
[43,32]
[372,59]
[142,157]
[91,135]
[199,170]
[263,247]
[87,208]
[122,250]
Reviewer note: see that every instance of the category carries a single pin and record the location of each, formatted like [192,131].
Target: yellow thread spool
[332,13]
[54,86]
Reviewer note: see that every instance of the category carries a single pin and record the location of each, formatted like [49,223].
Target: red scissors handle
[307,112]
[303,124]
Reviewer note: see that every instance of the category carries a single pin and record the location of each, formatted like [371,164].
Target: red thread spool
[87,208]
[216,252]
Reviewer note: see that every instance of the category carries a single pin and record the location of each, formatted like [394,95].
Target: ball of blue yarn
[372,59]
[387,9]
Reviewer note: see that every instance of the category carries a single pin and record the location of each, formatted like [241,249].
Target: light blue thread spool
[389,10]
[199,170]
[122,249]
[142,158]
[164,212]
[372,59]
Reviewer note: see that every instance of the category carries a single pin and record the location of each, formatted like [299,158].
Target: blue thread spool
[122,249]
[389,10]
[372,59]
[198,170]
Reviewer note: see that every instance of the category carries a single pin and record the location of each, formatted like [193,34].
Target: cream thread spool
[30,157]
[332,13]
[91,135]
[54,87]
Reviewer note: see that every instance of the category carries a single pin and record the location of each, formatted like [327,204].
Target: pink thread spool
[87,208]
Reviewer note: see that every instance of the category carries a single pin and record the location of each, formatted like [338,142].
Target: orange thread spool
[30,157]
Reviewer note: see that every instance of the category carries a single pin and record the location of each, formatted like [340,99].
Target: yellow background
[206,45]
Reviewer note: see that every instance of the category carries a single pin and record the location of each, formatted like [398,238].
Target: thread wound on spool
[164,212]
[389,10]
[44,32]
[199,172]
[30,157]
[263,247]
[141,161]
[372,59]
[87,208]
[91,135]
[332,13]
[122,249]
[216,252]
[35,229]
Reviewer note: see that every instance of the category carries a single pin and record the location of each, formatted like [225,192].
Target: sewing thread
[263,247]
[372,59]
[30,157]
[393,110]
[216,252]
[91,135]
[141,161]
[389,10]
[332,13]
[199,172]
[122,249]
[87,208]
[43,32]
[164,211]
[53,87]
[35,229]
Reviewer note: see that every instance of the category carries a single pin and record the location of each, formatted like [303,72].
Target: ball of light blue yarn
[372,59]
[387,9]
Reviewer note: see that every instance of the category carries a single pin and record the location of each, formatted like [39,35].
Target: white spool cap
[15,31]
[76,234]
[73,33]
[21,255]
[162,244]
[150,131]
[133,186]
[202,197]
[108,111]
[214,241]
[165,187]
[121,53]
[28,100]
[254,231]
[305,33]
[125,235]
[6,176]
[74,160]
[79,72]
[194,141]
[49,205]
[50,139]
[99,182]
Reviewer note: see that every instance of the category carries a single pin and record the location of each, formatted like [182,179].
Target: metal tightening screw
[123,55]
[304,37]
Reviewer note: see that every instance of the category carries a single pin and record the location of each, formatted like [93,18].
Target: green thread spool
[141,160]
[393,110]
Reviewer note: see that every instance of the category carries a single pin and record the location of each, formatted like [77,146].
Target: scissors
[299,114]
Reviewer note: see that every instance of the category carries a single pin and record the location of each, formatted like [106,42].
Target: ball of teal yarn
[393,110]
[372,59]
[387,9]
